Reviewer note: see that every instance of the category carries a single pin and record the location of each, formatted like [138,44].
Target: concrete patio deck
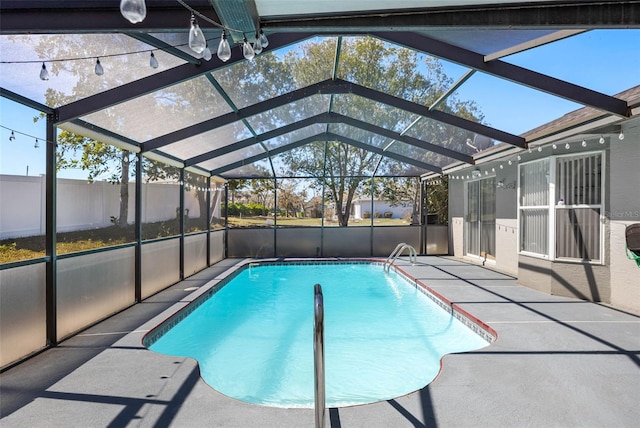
[558,362]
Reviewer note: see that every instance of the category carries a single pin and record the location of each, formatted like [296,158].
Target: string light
[206,54]
[554,145]
[584,143]
[567,146]
[133,10]
[247,50]
[153,61]
[197,42]
[601,140]
[621,135]
[44,74]
[12,137]
[257,45]
[98,69]
[539,148]
[264,42]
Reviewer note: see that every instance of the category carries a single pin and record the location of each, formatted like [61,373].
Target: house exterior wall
[615,279]
[623,210]
[360,207]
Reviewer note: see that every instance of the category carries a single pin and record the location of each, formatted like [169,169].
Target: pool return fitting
[318,354]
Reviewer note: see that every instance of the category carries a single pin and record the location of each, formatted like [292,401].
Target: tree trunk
[202,203]
[124,190]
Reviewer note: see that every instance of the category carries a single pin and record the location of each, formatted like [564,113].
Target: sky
[606,61]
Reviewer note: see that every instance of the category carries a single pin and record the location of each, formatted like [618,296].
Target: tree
[390,69]
[76,151]
[95,157]
[397,191]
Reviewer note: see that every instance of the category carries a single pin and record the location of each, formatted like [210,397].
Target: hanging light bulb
[206,54]
[510,162]
[44,74]
[99,70]
[134,11]
[601,140]
[197,42]
[264,42]
[519,157]
[224,50]
[539,148]
[247,50]
[12,137]
[529,149]
[584,143]
[567,146]
[554,146]
[621,135]
[37,144]
[153,61]
[257,46]
[501,166]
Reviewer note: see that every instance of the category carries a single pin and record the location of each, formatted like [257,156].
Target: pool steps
[398,252]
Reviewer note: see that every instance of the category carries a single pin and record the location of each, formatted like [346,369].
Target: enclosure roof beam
[10,95]
[162,45]
[94,17]
[324,87]
[322,137]
[162,80]
[403,138]
[336,86]
[438,115]
[261,156]
[385,153]
[320,118]
[328,118]
[504,70]
[551,14]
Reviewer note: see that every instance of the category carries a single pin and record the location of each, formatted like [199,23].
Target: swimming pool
[384,336]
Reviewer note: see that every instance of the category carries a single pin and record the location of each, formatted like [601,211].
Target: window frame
[553,207]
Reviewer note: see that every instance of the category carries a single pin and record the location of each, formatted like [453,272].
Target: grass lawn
[16,249]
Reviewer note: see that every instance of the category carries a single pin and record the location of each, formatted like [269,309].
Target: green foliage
[248,210]
[438,200]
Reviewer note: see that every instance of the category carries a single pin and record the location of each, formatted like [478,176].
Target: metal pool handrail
[318,353]
[398,252]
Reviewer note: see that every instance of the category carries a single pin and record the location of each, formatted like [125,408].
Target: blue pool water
[253,338]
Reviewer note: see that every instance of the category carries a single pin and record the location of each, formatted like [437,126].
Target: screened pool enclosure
[214,129]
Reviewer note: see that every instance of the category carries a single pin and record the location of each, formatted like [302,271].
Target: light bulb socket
[12,137]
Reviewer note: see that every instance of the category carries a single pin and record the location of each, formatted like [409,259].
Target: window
[534,207]
[579,196]
[567,226]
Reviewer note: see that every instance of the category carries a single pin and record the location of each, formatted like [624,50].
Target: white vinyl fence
[82,205]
